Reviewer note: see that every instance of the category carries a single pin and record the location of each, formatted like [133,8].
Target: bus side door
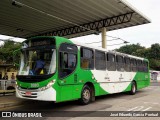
[67,68]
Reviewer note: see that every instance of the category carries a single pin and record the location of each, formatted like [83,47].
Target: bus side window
[67,59]
[100,61]
[68,63]
[111,64]
[120,63]
[139,66]
[133,65]
[145,66]
[72,61]
[87,58]
[127,64]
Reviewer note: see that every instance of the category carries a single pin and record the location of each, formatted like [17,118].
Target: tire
[86,95]
[133,88]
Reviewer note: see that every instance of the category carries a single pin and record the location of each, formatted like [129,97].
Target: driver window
[67,60]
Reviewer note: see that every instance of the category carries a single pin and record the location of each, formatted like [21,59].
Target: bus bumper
[45,95]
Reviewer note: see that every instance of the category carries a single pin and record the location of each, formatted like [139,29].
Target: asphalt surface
[147,99]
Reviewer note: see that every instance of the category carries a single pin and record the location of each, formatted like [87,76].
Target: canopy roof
[69,18]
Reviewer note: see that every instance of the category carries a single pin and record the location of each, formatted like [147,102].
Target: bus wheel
[133,88]
[85,95]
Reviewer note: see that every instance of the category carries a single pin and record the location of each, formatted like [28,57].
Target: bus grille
[32,94]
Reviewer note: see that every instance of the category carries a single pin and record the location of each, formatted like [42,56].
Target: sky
[146,34]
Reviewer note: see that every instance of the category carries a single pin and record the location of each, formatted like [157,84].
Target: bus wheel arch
[133,87]
[87,93]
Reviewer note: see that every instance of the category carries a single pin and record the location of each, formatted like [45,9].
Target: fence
[7,86]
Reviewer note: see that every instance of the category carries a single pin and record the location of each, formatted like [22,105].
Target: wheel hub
[134,89]
[86,94]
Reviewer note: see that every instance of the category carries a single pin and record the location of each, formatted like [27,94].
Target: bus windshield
[38,61]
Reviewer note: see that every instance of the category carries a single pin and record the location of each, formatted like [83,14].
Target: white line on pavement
[136,108]
[139,108]
[147,109]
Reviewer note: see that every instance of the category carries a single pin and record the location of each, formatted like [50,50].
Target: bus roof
[102,49]
[69,18]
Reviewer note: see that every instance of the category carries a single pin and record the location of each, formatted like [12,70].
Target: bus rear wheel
[85,95]
[133,88]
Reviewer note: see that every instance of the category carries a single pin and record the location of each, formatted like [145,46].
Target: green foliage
[6,52]
[155,51]
[152,53]
[155,64]
[130,49]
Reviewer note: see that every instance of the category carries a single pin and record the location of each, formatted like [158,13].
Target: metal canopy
[69,18]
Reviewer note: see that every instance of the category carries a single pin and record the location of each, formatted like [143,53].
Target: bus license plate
[28,94]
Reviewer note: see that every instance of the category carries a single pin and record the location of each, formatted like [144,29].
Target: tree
[6,51]
[130,49]
[154,64]
[154,56]
[152,53]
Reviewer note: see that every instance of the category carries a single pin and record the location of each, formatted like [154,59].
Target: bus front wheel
[133,88]
[85,95]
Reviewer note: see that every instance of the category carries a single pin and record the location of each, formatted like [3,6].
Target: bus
[76,71]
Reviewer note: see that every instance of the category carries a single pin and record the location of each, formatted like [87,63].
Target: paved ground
[145,100]
[9,100]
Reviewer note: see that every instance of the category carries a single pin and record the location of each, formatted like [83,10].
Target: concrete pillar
[104,40]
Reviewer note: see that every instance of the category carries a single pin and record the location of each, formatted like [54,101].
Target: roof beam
[93,26]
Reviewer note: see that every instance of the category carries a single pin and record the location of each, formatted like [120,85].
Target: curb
[9,104]
[4,92]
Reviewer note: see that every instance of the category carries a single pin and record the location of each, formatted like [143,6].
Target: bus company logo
[6,114]
[17,114]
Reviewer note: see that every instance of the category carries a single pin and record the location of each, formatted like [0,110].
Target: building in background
[155,75]
[9,69]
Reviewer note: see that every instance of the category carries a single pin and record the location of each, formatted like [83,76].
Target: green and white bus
[77,71]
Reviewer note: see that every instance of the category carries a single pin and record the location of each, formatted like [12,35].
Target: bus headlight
[48,85]
[16,85]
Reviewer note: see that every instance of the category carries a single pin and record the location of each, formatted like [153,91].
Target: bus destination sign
[42,42]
